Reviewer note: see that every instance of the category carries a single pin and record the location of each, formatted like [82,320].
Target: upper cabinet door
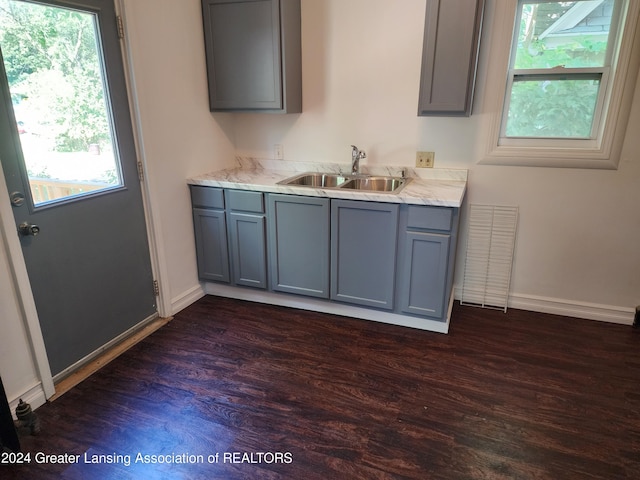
[253,55]
[449,57]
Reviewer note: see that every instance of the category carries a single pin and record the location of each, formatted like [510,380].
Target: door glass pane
[55,71]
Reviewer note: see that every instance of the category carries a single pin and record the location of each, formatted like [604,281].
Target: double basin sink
[366,183]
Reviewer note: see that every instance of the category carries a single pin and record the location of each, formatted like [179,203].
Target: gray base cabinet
[395,258]
[363,252]
[248,258]
[427,239]
[210,228]
[211,241]
[299,244]
[424,273]
[247,238]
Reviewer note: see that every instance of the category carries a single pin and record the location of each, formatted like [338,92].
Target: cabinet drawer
[433,218]
[207,197]
[245,201]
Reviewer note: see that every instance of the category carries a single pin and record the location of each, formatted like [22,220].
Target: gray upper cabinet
[299,244]
[253,50]
[363,252]
[449,57]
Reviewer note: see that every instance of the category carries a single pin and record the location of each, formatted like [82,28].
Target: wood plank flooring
[279,393]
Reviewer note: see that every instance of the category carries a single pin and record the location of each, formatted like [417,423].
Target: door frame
[11,243]
[26,303]
[152,217]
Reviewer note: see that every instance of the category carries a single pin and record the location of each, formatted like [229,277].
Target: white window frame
[603,149]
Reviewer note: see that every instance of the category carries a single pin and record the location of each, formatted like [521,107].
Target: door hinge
[140,171]
[156,288]
[120,25]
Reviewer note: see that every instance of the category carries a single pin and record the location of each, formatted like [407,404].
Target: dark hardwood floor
[313,396]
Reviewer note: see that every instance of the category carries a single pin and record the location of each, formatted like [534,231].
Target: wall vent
[489,256]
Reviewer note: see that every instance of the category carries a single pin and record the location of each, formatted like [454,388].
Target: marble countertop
[432,186]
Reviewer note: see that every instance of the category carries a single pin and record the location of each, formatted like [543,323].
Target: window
[54,64]
[567,93]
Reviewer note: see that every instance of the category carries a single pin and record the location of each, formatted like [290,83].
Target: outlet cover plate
[425,159]
[278,151]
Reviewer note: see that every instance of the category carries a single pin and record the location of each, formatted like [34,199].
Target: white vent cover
[490,245]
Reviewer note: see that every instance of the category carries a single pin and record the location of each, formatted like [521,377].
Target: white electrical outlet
[278,151]
[425,159]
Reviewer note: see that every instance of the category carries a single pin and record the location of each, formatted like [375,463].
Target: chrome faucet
[356,156]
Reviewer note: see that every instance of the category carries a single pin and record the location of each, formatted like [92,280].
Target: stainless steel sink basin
[376,184]
[321,180]
[363,183]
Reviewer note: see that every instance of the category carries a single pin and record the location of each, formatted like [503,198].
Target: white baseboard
[534,303]
[34,396]
[568,308]
[185,299]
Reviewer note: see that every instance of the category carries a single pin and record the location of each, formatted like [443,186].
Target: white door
[67,150]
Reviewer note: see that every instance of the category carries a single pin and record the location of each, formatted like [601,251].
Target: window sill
[547,157]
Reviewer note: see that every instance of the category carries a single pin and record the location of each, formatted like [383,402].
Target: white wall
[578,232]
[179,136]
[361,61]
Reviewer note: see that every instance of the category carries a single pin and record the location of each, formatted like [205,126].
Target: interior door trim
[152,217]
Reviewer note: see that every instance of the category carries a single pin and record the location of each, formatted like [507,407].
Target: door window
[54,65]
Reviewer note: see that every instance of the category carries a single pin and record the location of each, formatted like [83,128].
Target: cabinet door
[423,276]
[248,249]
[253,50]
[211,244]
[299,244]
[243,49]
[449,57]
[363,252]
